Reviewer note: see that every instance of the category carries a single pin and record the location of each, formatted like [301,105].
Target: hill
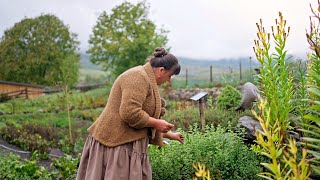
[197,68]
[85,62]
[186,62]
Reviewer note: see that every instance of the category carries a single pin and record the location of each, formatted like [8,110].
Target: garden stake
[200,97]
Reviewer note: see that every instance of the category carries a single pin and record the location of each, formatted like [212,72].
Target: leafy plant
[67,166]
[311,125]
[277,87]
[275,78]
[223,152]
[284,161]
[300,107]
[12,167]
[229,98]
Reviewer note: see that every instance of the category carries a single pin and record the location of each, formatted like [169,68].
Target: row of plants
[14,167]
[56,102]
[43,138]
[79,118]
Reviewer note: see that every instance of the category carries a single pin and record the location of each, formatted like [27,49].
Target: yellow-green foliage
[275,79]
[201,172]
[275,106]
[284,162]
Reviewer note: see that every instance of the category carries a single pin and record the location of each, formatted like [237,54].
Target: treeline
[43,50]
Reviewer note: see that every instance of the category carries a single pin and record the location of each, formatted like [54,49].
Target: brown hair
[161,58]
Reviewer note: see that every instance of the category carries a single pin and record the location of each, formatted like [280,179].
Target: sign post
[200,98]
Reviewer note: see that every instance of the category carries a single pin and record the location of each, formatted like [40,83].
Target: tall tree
[35,50]
[124,38]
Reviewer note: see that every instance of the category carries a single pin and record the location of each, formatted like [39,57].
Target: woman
[118,142]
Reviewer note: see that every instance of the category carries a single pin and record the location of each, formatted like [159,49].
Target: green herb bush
[229,98]
[222,151]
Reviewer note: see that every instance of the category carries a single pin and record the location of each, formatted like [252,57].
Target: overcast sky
[210,29]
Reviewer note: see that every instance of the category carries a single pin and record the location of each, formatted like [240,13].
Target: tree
[35,50]
[124,38]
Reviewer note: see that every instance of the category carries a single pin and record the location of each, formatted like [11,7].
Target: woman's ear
[161,69]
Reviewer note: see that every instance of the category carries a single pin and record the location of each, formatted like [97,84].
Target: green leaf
[316,91]
[315,153]
[312,140]
[312,118]
[279,152]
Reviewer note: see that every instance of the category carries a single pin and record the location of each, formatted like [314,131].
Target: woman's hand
[174,136]
[160,125]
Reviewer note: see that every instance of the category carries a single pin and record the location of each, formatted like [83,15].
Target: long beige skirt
[129,161]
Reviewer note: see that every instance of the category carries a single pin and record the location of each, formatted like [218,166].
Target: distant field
[224,71]
[86,73]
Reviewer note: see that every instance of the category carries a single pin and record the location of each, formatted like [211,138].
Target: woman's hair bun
[160,52]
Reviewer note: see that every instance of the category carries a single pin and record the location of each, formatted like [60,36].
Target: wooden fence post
[26,90]
[186,77]
[211,73]
[250,58]
[240,70]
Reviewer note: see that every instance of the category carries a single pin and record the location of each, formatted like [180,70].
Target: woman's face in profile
[164,76]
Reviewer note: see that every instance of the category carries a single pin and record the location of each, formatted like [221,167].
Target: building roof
[21,84]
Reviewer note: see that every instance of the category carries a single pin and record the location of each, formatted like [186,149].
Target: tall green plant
[301,94]
[275,78]
[277,88]
[311,129]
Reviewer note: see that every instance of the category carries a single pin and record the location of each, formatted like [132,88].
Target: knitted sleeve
[134,90]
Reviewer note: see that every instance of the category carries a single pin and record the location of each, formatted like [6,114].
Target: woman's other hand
[174,136]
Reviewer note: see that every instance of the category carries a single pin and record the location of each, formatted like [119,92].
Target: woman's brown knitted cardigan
[134,97]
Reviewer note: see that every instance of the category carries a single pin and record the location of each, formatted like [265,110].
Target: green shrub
[223,153]
[229,98]
[12,167]
[66,166]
